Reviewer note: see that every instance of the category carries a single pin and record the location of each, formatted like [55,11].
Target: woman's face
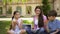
[17,15]
[37,11]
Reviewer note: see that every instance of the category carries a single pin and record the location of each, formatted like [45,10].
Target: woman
[40,20]
[16,26]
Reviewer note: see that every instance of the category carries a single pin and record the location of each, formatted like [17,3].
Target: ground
[3,26]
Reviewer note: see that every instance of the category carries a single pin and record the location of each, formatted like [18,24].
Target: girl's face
[37,11]
[17,15]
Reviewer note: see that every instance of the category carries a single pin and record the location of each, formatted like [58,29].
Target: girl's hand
[15,22]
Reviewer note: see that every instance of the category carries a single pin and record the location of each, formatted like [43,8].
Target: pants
[39,32]
[54,31]
[58,32]
[29,31]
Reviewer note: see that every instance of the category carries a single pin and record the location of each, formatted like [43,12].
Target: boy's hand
[52,33]
[55,31]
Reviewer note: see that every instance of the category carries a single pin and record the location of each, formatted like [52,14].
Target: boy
[53,24]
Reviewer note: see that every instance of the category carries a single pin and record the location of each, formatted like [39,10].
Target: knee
[9,32]
[23,32]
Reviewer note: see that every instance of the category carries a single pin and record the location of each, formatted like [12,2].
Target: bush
[27,22]
[46,6]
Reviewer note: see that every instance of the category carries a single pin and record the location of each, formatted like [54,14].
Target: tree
[24,1]
[46,6]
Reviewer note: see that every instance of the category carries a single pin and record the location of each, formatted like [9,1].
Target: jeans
[54,31]
[29,31]
[58,32]
[39,32]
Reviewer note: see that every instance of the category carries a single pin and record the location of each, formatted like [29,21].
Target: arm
[47,29]
[46,24]
[21,24]
[45,20]
[55,32]
[58,27]
[14,24]
[32,25]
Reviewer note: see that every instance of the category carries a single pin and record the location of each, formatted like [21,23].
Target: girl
[16,26]
[40,20]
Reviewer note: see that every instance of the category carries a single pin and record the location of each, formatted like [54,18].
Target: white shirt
[16,27]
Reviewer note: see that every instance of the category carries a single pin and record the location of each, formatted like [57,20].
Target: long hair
[40,17]
[14,14]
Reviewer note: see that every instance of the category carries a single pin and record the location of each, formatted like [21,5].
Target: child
[16,26]
[53,24]
[39,20]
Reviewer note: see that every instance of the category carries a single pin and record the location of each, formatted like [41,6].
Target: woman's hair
[40,17]
[14,14]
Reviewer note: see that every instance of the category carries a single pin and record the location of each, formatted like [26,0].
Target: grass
[3,26]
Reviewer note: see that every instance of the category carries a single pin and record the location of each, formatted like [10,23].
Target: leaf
[24,1]
[4,1]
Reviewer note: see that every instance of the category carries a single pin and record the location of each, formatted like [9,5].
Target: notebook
[26,26]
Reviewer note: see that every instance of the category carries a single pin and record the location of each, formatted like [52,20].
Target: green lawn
[4,25]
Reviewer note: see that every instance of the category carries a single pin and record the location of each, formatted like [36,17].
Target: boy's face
[51,18]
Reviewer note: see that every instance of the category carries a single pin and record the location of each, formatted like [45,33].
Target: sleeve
[45,18]
[58,24]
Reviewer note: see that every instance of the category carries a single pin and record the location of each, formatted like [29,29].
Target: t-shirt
[36,22]
[54,25]
[16,27]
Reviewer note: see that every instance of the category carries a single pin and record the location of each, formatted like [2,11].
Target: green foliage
[4,2]
[46,6]
[23,1]
[27,22]
[9,10]
[9,1]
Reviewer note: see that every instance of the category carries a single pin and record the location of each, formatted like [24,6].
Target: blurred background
[26,9]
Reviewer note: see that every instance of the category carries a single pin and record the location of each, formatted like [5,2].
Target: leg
[22,31]
[29,32]
[58,32]
[9,32]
